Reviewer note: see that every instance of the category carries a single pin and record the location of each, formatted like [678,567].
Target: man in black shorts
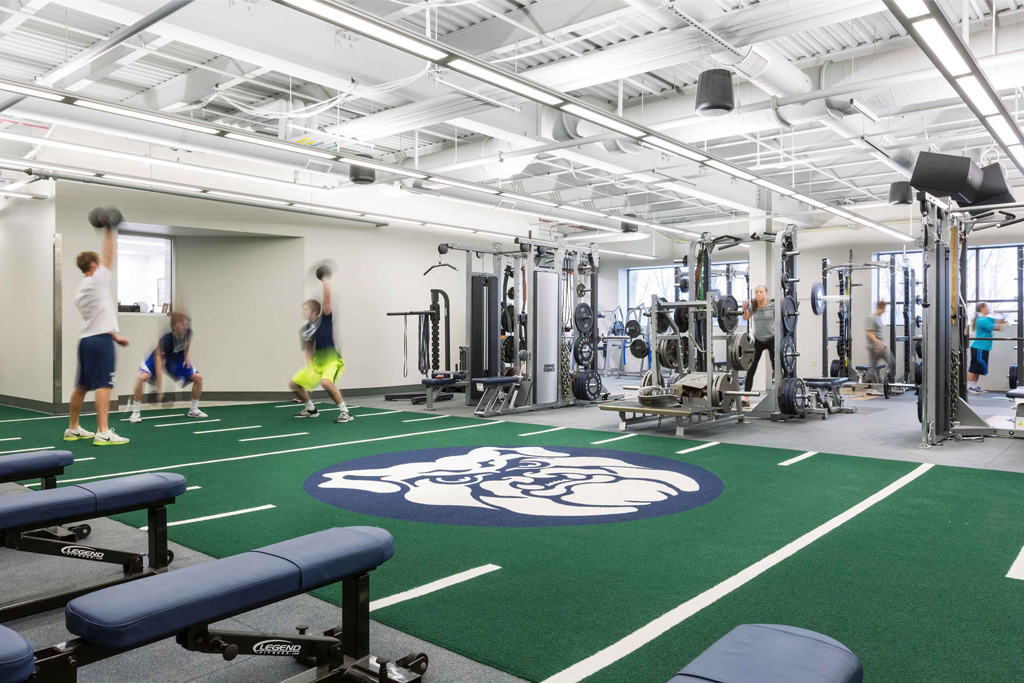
[96,358]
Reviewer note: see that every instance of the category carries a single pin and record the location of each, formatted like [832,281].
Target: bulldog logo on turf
[515,486]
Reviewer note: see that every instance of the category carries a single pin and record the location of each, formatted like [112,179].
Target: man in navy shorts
[171,356]
[96,358]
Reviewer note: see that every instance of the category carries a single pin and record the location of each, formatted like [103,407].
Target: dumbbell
[109,217]
[323,269]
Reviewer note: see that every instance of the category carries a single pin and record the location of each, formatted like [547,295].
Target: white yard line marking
[228,429]
[383,412]
[12,438]
[697,448]
[209,517]
[1017,569]
[193,488]
[787,463]
[193,422]
[275,436]
[28,450]
[157,417]
[425,419]
[83,459]
[617,438]
[432,586]
[544,431]
[168,468]
[46,417]
[637,639]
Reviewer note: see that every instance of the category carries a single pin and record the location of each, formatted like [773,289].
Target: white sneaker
[135,418]
[77,433]
[195,412]
[344,416]
[109,438]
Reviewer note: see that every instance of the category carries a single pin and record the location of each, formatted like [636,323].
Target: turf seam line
[804,456]
[167,468]
[274,436]
[433,586]
[616,438]
[218,516]
[544,431]
[636,640]
[193,422]
[425,419]
[709,444]
[26,450]
[1017,569]
[228,429]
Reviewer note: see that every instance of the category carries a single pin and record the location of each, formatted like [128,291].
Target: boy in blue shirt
[324,365]
[171,355]
[982,326]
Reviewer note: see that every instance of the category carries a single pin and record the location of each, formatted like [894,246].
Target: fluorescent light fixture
[368,28]
[247,198]
[12,193]
[885,229]
[586,212]
[30,91]
[142,116]
[977,96]
[438,226]
[1006,132]
[375,217]
[367,163]
[467,186]
[864,109]
[941,46]
[622,253]
[842,214]
[284,146]
[524,198]
[769,185]
[602,120]
[672,147]
[326,209]
[32,165]
[912,9]
[506,82]
[154,183]
[730,169]
[810,200]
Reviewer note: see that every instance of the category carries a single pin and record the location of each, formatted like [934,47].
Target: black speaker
[360,175]
[945,175]
[900,193]
[629,227]
[714,93]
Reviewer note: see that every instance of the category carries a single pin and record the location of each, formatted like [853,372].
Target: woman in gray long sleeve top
[762,311]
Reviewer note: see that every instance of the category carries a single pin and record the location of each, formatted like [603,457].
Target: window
[143,273]
[643,283]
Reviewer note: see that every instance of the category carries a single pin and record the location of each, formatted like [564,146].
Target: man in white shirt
[96,357]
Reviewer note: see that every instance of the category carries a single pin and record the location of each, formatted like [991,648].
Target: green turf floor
[916,585]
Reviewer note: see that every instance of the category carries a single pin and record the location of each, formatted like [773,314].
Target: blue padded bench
[1016,394]
[43,465]
[767,653]
[184,603]
[24,519]
[16,659]
[436,387]
[499,394]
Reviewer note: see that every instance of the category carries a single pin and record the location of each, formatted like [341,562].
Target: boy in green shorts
[324,365]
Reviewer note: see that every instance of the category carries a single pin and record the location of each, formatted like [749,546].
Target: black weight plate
[886,388]
[633,329]
[789,314]
[1013,376]
[663,319]
[728,311]
[508,318]
[584,318]
[667,354]
[508,349]
[788,354]
[818,298]
[682,320]
[583,351]
[919,348]
[638,347]
[919,406]
[833,368]
[592,385]
[581,290]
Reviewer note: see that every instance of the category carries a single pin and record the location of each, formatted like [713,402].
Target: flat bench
[825,382]
[43,465]
[24,519]
[499,394]
[184,603]
[1016,394]
[437,386]
[767,653]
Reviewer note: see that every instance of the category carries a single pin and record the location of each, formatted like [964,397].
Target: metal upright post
[1020,310]
[825,263]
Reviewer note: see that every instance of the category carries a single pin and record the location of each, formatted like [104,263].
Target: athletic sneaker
[873,392]
[109,438]
[135,418]
[344,416]
[77,433]
[306,412]
[195,412]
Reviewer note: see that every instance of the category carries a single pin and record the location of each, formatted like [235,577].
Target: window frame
[170,274]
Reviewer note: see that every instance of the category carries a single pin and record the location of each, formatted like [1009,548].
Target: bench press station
[31,522]
[184,603]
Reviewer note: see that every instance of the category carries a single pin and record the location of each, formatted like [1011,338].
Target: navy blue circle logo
[521,486]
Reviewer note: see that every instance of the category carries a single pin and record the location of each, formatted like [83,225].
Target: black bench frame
[33,539]
[340,654]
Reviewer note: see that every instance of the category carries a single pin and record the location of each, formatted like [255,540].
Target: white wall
[26,296]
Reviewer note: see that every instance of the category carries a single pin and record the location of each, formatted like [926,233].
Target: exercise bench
[24,518]
[45,466]
[184,603]
[438,387]
[499,394]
